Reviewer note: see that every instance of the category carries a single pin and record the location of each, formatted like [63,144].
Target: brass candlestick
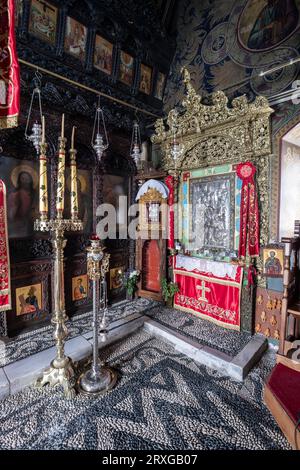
[97,379]
[61,371]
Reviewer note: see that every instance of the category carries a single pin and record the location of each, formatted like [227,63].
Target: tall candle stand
[61,370]
[98,379]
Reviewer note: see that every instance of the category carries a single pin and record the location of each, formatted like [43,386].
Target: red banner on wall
[5,293]
[249,225]
[9,67]
[213,298]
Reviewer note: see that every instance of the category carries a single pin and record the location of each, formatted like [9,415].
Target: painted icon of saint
[21,204]
[30,303]
[273,265]
[79,290]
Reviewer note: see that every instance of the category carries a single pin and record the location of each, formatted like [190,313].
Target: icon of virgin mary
[276,21]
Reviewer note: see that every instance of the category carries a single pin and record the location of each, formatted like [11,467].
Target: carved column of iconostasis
[174,187]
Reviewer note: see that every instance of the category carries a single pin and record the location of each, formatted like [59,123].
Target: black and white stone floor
[163,400]
[25,358]
[205,332]
[36,341]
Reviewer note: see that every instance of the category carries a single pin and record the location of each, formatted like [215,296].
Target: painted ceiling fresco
[226,45]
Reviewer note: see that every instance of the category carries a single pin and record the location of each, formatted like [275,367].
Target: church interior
[149,225]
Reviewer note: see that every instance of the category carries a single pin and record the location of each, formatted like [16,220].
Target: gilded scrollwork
[248,121]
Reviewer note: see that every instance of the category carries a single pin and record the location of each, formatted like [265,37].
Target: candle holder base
[91,384]
[64,376]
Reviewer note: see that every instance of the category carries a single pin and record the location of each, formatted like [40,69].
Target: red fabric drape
[210,297]
[5,293]
[9,67]
[169,180]
[249,215]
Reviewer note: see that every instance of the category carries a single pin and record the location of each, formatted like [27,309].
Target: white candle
[73,137]
[43,129]
[63,126]
[43,183]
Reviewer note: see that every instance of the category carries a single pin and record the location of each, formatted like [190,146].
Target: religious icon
[273,320]
[265,23]
[160,84]
[116,277]
[29,299]
[145,80]
[153,212]
[103,55]
[75,39]
[212,221]
[85,198]
[79,287]
[260,300]
[273,262]
[21,179]
[126,68]
[43,20]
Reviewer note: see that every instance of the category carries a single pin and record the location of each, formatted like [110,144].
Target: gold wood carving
[216,134]
[151,196]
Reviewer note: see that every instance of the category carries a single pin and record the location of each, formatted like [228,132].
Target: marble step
[236,367]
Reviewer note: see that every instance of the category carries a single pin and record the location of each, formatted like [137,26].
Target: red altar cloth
[211,297]
[5,293]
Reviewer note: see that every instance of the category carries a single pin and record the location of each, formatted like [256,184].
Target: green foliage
[169,289]
[131,282]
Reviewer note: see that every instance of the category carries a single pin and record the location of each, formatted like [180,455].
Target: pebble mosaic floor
[204,331]
[163,400]
[35,341]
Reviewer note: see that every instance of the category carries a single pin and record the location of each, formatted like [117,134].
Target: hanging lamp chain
[36,133]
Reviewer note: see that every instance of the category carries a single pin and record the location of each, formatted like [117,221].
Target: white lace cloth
[216,268]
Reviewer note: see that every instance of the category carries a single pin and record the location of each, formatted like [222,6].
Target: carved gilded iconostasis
[215,138]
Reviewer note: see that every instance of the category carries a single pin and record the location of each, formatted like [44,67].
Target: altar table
[209,289]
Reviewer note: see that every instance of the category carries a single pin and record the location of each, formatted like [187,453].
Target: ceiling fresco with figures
[226,45]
